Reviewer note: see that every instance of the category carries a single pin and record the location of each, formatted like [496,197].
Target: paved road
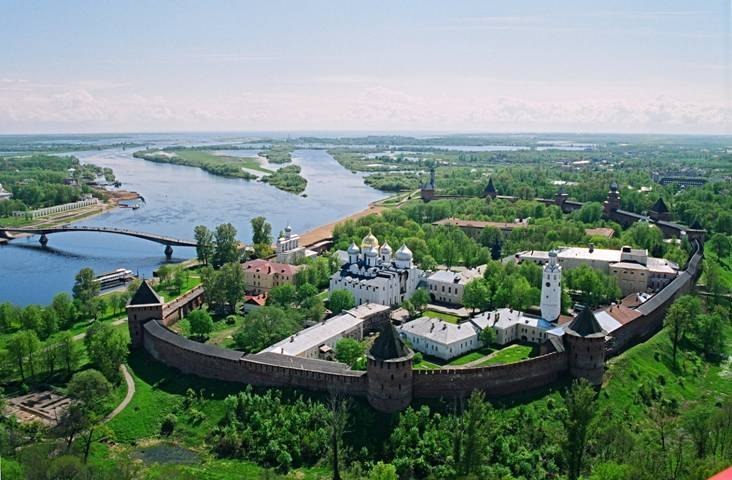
[130,393]
[119,321]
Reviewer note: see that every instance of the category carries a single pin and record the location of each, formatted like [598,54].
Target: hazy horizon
[658,67]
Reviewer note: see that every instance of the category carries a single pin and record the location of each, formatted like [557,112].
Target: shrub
[168,424]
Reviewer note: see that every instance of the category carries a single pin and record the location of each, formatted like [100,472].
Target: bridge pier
[43,240]
[168,251]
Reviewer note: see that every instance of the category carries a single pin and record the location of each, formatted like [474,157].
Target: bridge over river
[169,242]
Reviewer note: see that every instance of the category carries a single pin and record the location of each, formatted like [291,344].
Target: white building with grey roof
[447,286]
[439,338]
[320,340]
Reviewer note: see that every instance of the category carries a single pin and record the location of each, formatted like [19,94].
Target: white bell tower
[551,289]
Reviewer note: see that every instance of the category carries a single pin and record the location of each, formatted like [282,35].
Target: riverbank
[325,232]
[114,200]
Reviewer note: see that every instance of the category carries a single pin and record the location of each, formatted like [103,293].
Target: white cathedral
[373,275]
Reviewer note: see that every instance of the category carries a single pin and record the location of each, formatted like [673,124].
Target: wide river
[178,198]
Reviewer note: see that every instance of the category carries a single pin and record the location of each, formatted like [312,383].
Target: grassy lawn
[472,356]
[651,364]
[425,365]
[510,354]
[159,391]
[169,292]
[220,333]
[725,270]
[442,316]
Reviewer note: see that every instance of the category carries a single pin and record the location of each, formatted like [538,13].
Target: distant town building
[4,194]
[319,340]
[633,269]
[261,275]
[288,248]
[372,275]
[446,286]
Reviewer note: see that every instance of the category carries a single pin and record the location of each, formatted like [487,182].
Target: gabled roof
[586,325]
[490,188]
[145,295]
[388,345]
[659,206]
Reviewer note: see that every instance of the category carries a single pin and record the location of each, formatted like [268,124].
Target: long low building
[513,325]
[319,340]
[633,269]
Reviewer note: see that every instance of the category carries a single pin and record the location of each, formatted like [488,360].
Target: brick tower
[145,305]
[585,342]
[612,202]
[389,371]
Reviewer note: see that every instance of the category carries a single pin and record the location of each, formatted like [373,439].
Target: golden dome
[370,241]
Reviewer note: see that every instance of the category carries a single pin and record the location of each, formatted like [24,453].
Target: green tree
[261,231]
[263,327]
[89,389]
[204,243]
[720,244]
[383,471]
[580,405]
[477,295]
[69,351]
[165,273]
[226,245]
[32,319]
[488,336]
[23,347]
[107,349]
[282,295]
[680,315]
[64,307]
[348,351]
[341,300]
[9,317]
[201,323]
[473,438]
[306,291]
[420,298]
[85,292]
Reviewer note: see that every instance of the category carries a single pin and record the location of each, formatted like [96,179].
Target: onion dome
[386,249]
[370,252]
[404,253]
[614,186]
[353,249]
[370,241]
[288,229]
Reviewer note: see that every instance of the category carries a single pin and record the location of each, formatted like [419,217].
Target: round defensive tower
[585,343]
[389,372]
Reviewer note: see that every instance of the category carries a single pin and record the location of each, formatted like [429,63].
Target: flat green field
[442,316]
[472,356]
[510,354]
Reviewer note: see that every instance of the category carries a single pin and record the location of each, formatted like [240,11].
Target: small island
[287,178]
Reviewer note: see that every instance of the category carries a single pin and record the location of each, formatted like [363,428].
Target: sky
[381,66]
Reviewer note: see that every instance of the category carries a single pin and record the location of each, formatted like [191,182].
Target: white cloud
[28,108]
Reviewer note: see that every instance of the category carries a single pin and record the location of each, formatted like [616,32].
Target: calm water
[178,198]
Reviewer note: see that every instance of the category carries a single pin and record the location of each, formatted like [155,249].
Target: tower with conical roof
[659,211]
[490,189]
[389,372]
[585,341]
[145,305]
[612,203]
